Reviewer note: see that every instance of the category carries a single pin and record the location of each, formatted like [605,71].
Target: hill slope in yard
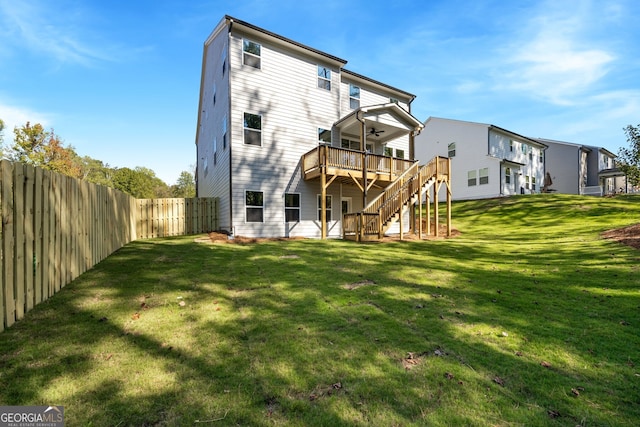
[527,317]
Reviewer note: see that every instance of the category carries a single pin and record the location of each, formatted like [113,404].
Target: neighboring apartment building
[486,160]
[284,134]
[582,169]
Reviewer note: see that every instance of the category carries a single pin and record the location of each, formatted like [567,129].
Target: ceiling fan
[375,132]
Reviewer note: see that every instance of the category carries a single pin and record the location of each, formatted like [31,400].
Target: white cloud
[13,116]
[553,58]
[34,25]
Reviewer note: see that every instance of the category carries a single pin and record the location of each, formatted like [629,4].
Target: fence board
[53,228]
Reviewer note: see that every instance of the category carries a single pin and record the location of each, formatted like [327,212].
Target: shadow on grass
[474,331]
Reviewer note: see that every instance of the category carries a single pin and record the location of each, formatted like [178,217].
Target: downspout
[229,133]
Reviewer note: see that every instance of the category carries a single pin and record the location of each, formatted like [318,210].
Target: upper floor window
[511,144]
[251,53]
[451,148]
[531,153]
[224,132]
[541,156]
[324,78]
[324,136]
[471,178]
[252,129]
[215,91]
[254,204]
[524,148]
[292,207]
[224,59]
[399,153]
[352,145]
[354,96]
[215,150]
[484,176]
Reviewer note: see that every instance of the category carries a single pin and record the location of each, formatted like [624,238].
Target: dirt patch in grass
[221,237]
[629,236]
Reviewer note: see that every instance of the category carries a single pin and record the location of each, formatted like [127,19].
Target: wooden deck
[342,162]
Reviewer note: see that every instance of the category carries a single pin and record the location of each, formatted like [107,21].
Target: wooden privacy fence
[54,228]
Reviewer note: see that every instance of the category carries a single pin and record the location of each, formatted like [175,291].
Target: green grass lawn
[528,318]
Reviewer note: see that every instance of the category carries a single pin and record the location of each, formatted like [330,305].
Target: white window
[224,132]
[388,151]
[507,175]
[354,96]
[451,148]
[541,156]
[324,78]
[351,145]
[251,53]
[533,182]
[254,202]
[328,210]
[399,153]
[215,150]
[484,176]
[527,182]
[324,136]
[252,129]
[291,207]
[524,148]
[223,59]
[471,178]
[206,166]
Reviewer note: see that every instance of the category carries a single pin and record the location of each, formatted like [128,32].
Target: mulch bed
[629,236]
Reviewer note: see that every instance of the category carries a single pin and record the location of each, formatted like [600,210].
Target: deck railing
[345,159]
[378,213]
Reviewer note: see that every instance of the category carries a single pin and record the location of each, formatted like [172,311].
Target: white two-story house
[486,160]
[289,140]
[582,169]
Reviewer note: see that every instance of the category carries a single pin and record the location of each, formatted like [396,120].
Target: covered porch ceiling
[382,123]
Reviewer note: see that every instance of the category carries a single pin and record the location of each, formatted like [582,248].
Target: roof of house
[249,28]
[494,127]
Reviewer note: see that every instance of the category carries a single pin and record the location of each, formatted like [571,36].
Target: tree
[37,147]
[629,158]
[185,187]
[141,183]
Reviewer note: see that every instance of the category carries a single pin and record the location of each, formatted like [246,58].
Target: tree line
[36,146]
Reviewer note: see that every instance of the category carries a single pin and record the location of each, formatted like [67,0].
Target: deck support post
[448,197]
[323,193]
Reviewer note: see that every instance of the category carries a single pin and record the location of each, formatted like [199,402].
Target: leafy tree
[186,185]
[95,171]
[141,183]
[629,158]
[35,146]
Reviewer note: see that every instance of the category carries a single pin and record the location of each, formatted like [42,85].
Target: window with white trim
[541,156]
[291,207]
[527,182]
[251,53]
[511,144]
[327,210]
[354,96]
[351,145]
[215,150]
[507,175]
[399,153]
[533,182]
[388,151]
[324,136]
[324,78]
[224,59]
[254,204]
[224,132]
[484,176]
[451,150]
[471,178]
[252,124]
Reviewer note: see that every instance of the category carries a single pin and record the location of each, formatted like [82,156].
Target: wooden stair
[387,208]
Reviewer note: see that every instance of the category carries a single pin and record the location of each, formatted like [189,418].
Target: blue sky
[119,80]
